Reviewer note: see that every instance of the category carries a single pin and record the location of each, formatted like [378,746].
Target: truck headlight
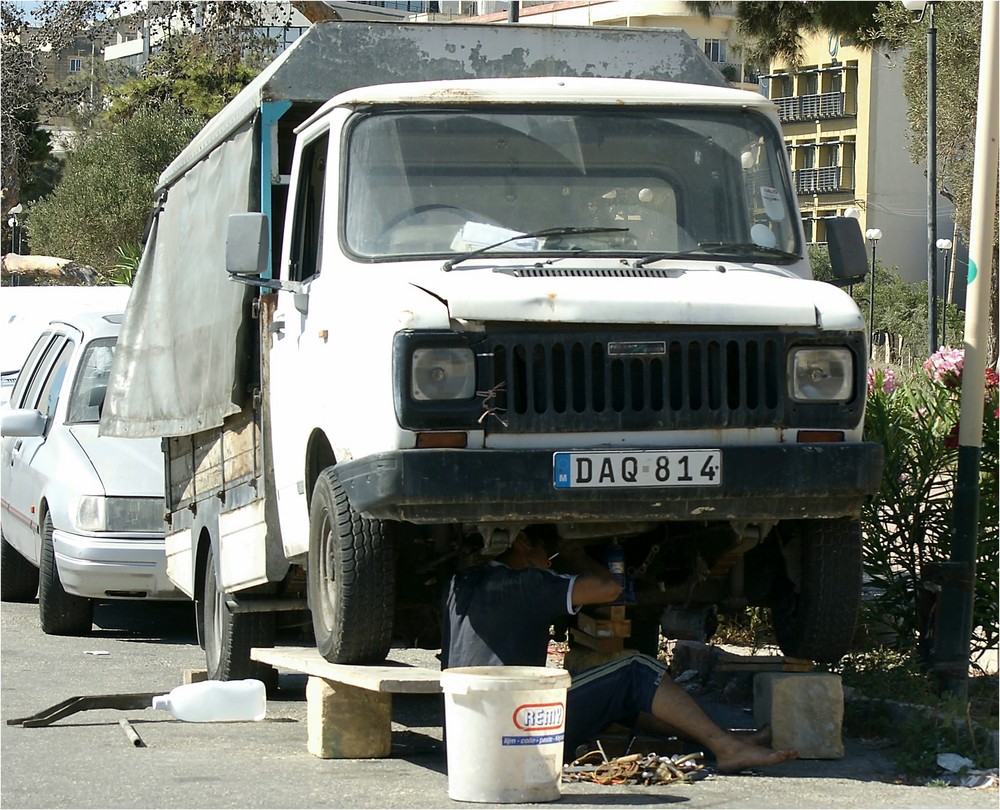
[120,515]
[442,373]
[821,374]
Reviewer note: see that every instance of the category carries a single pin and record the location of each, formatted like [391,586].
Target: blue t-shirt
[495,615]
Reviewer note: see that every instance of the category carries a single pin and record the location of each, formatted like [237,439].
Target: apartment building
[843,113]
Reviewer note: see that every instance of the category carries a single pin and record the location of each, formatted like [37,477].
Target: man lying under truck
[499,614]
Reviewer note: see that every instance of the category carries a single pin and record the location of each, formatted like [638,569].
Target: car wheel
[816,620]
[61,613]
[227,637]
[351,582]
[18,576]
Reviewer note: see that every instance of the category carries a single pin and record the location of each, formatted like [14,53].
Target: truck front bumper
[778,482]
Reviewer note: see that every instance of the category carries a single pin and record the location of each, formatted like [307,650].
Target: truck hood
[125,467]
[736,296]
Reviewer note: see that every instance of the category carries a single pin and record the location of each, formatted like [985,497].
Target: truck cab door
[294,371]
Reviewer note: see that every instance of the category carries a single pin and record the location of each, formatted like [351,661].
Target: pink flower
[945,366]
[883,379]
[992,378]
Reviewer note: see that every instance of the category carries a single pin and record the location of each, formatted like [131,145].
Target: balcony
[810,108]
[823,180]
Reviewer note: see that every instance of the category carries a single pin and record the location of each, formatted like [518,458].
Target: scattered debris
[96,652]
[962,773]
[636,769]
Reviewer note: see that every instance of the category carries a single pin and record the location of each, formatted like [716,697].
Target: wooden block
[616,612]
[604,628]
[195,675]
[600,644]
[347,722]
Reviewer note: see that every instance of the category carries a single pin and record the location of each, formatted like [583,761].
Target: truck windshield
[683,180]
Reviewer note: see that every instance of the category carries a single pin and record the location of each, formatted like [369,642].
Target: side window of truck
[307,229]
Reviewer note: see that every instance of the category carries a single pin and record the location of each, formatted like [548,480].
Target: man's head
[526,551]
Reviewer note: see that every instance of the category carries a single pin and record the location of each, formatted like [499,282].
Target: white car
[81,516]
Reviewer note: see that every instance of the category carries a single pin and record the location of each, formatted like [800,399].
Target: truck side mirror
[247,245]
[848,259]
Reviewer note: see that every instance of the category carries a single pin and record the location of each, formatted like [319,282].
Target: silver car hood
[125,466]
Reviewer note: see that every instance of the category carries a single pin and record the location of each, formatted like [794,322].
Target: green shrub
[909,524]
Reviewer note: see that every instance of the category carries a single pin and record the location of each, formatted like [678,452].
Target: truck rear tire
[227,637]
[18,576]
[351,582]
[817,620]
[61,613]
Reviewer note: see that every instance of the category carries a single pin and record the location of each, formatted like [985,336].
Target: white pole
[954,621]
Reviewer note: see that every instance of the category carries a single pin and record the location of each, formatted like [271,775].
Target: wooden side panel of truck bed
[210,463]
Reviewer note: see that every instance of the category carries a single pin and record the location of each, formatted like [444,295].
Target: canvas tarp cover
[178,368]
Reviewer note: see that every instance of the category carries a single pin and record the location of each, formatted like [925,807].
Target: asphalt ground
[88,760]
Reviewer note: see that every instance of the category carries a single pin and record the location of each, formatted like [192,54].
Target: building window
[715,49]
[75,64]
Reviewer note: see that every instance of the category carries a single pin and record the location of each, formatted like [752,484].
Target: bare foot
[738,755]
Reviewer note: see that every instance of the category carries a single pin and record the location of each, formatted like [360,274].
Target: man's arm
[594,583]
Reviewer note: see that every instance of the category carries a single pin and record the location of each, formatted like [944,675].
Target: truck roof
[333,57]
[548,89]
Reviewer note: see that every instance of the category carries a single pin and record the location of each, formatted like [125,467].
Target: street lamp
[944,245]
[927,6]
[15,241]
[872,235]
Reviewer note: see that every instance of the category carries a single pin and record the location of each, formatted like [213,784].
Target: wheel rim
[327,579]
[214,604]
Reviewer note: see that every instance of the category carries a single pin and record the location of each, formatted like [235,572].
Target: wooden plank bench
[349,708]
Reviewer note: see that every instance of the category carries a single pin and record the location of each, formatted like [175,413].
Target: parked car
[26,310]
[81,515]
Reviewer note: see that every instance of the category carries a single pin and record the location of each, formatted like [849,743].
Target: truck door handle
[276,326]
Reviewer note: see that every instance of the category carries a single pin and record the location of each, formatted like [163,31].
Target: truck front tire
[816,620]
[351,582]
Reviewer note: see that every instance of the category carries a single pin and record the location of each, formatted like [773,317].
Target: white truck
[571,298]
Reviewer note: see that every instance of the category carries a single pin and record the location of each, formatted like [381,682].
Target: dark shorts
[615,692]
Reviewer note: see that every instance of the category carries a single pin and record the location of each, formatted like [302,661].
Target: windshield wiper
[564,231]
[741,249]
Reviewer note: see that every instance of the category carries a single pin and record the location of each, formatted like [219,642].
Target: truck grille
[635,381]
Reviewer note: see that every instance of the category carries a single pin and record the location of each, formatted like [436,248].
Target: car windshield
[680,180]
[91,383]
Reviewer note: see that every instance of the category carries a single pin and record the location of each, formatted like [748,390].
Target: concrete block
[805,710]
[347,722]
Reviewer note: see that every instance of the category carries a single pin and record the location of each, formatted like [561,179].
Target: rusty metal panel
[335,56]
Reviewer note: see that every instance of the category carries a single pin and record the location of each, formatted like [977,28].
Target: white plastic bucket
[504,728]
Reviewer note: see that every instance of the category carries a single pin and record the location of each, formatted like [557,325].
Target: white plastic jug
[215,701]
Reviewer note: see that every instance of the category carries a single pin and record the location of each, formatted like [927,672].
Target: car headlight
[821,374]
[120,515]
[442,373]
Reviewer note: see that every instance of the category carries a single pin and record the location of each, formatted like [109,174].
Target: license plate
[637,468]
